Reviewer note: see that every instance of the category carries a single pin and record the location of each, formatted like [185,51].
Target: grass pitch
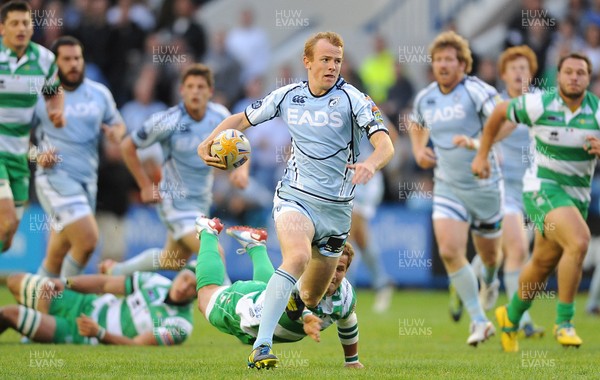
[415,340]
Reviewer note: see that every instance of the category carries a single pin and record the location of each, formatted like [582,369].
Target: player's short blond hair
[349,253]
[333,38]
[515,52]
[453,40]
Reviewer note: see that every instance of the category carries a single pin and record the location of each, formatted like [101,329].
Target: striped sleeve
[348,329]
[48,65]
[525,109]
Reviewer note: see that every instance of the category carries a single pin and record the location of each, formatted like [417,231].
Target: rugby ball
[232,147]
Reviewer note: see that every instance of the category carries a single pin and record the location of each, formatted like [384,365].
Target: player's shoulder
[431,87]
[167,117]
[477,88]
[41,54]
[289,88]
[97,88]
[219,109]
[475,85]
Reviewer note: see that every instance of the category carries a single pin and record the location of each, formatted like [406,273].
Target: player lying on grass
[237,309]
[85,309]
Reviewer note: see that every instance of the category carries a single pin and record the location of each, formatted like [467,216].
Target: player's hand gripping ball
[232,147]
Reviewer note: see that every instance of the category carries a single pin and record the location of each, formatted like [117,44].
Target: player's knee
[579,244]
[449,253]
[298,260]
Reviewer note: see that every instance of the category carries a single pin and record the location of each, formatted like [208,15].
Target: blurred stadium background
[139,47]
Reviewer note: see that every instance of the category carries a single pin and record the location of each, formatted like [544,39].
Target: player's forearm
[492,128]
[350,352]
[419,136]
[87,283]
[505,130]
[132,161]
[384,150]
[55,101]
[96,284]
[119,340]
[237,121]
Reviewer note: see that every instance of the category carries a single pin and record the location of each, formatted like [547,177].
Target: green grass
[436,350]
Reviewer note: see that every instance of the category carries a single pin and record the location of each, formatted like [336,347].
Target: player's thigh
[451,236]
[294,231]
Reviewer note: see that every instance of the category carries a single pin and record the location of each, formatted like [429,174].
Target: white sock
[147,261]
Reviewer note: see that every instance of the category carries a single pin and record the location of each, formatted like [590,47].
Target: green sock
[262,266]
[564,312]
[516,308]
[209,267]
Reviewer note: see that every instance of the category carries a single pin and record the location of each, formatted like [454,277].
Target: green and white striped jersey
[337,308]
[145,309]
[558,139]
[21,82]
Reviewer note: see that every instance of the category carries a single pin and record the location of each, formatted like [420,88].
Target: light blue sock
[42,271]
[465,283]
[511,284]
[70,267]
[277,295]
[147,261]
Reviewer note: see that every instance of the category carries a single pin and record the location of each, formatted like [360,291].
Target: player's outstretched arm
[88,327]
[237,121]
[97,284]
[481,166]
[348,334]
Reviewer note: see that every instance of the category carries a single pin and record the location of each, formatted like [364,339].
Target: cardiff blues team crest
[334,101]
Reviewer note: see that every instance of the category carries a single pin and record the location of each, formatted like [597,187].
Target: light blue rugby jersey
[516,151]
[463,111]
[186,178]
[86,109]
[326,131]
